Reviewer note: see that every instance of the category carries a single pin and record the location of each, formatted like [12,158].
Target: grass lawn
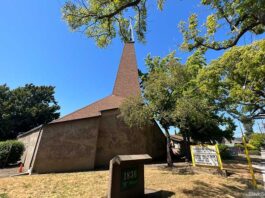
[177,182]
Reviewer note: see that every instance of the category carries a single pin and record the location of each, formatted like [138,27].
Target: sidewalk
[261,166]
[6,172]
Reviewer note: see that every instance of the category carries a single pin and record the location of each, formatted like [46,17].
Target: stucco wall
[115,138]
[29,141]
[67,146]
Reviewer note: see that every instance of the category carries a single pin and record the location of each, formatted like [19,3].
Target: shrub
[254,152]
[224,151]
[10,152]
[242,147]
[257,140]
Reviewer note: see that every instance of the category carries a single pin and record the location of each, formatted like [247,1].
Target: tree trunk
[169,159]
[185,138]
[188,149]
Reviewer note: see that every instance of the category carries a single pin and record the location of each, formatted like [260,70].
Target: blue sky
[37,47]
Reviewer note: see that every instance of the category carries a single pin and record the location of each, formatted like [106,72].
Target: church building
[90,137]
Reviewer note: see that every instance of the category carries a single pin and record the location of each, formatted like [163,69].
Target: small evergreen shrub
[10,152]
[224,151]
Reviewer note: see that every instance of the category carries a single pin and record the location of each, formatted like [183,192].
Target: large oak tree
[171,96]
[236,81]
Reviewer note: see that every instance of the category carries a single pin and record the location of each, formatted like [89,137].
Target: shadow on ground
[159,194]
[203,189]
[179,170]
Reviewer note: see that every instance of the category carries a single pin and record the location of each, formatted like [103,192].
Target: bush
[257,140]
[10,152]
[224,151]
[254,152]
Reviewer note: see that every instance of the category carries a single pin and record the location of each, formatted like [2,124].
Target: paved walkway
[261,166]
[6,172]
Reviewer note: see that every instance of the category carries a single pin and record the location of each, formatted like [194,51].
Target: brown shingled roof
[94,109]
[126,85]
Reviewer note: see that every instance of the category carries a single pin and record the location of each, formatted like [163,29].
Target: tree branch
[233,43]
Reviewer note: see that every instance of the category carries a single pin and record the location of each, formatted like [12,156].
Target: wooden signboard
[206,155]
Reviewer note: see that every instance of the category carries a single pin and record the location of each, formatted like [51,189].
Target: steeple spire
[131,32]
[127,83]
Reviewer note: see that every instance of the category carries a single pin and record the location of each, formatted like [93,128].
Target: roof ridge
[93,103]
[97,109]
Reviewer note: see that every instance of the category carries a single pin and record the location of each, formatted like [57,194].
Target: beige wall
[67,146]
[115,138]
[29,142]
[89,143]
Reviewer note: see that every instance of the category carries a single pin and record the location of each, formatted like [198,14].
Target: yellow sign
[206,155]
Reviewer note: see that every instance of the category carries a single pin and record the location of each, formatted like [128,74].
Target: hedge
[10,152]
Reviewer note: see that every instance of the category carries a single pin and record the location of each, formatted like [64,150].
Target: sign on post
[127,176]
[206,155]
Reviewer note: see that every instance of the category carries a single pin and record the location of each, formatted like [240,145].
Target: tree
[170,96]
[25,108]
[103,20]
[239,17]
[248,125]
[236,81]
[257,140]
[200,117]
[4,112]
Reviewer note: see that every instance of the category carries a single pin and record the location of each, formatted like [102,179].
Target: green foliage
[249,147]
[3,195]
[104,20]
[4,112]
[236,81]
[25,108]
[224,151]
[160,4]
[248,125]
[10,152]
[135,111]
[254,152]
[236,17]
[257,140]
[171,96]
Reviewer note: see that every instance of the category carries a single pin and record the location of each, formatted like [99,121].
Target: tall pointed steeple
[131,32]
[127,82]
[126,85]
